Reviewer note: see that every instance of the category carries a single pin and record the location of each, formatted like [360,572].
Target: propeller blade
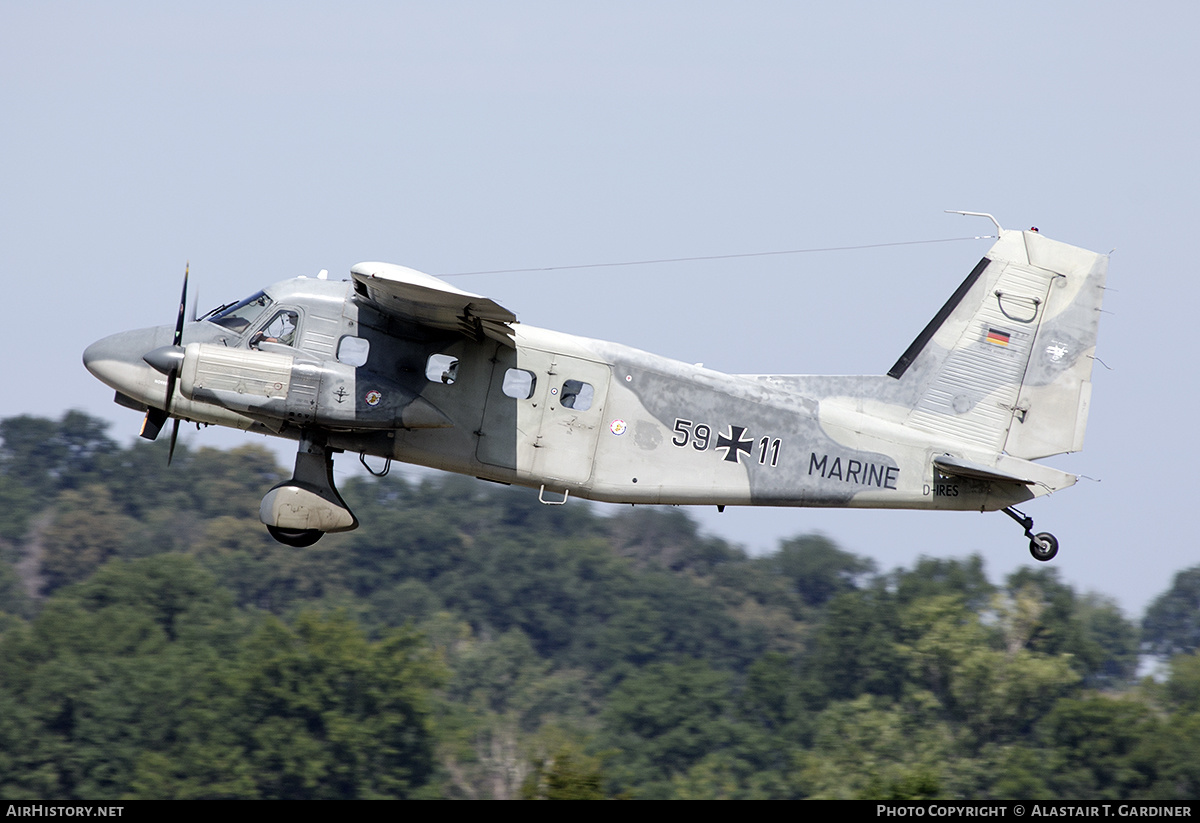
[174,437]
[152,425]
[170,391]
[182,308]
[169,365]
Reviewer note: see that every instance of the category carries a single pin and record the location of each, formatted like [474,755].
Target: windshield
[238,316]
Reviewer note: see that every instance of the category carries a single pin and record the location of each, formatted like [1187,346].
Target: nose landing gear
[1043,545]
[299,511]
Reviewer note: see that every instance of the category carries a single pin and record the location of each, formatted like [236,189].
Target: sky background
[266,140]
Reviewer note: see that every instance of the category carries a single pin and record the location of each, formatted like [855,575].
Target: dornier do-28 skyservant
[401,365]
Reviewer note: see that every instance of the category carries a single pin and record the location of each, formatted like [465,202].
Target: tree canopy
[468,642]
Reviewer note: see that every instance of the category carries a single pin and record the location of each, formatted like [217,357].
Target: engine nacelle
[284,385]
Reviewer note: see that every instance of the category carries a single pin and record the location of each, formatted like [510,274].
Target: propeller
[168,360]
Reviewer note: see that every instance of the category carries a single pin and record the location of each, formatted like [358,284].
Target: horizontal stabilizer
[964,468]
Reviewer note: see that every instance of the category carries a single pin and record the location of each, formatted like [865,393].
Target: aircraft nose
[117,359]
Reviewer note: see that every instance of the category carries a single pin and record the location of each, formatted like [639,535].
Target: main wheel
[1043,546]
[299,538]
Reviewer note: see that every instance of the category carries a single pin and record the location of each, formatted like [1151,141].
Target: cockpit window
[281,329]
[238,317]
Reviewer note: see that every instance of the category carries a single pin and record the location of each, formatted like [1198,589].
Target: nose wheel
[1043,545]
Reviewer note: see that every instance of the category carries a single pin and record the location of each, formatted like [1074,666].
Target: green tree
[773,698]
[315,711]
[872,748]
[1172,622]
[498,703]
[145,681]
[1109,642]
[103,674]
[664,719]
[855,650]
[818,570]
[1101,748]
[993,688]
[1091,629]
[1182,688]
[326,713]
[18,504]
[963,578]
[47,456]
[565,774]
[87,530]
[13,598]
[667,538]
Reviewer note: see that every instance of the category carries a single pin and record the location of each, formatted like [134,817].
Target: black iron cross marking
[734,445]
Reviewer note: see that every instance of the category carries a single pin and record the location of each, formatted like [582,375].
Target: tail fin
[1007,362]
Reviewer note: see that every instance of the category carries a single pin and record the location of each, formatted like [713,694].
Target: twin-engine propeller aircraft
[403,366]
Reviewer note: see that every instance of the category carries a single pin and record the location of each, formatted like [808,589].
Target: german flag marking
[998,337]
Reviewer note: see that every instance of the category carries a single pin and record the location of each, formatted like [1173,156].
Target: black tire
[297,538]
[1043,546]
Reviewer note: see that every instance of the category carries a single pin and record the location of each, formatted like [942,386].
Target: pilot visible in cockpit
[281,329]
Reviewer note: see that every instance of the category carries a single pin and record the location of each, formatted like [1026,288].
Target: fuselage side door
[544,415]
[507,412]
[572,417]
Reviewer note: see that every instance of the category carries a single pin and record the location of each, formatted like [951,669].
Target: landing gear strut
[299,511]
[1043,545]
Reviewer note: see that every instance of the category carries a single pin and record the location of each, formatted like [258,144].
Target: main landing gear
[1043,545]
[299,511]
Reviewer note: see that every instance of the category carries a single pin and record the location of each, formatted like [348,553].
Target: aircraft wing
[424,299]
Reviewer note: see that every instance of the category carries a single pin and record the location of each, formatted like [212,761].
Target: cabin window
[353,351]
[442,368]
[577,395]
[519,384]
[280,329]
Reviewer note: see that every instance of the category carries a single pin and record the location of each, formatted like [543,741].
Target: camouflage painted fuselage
[1000,377]
[1003,375]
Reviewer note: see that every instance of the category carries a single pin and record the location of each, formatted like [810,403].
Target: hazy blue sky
[265,140]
